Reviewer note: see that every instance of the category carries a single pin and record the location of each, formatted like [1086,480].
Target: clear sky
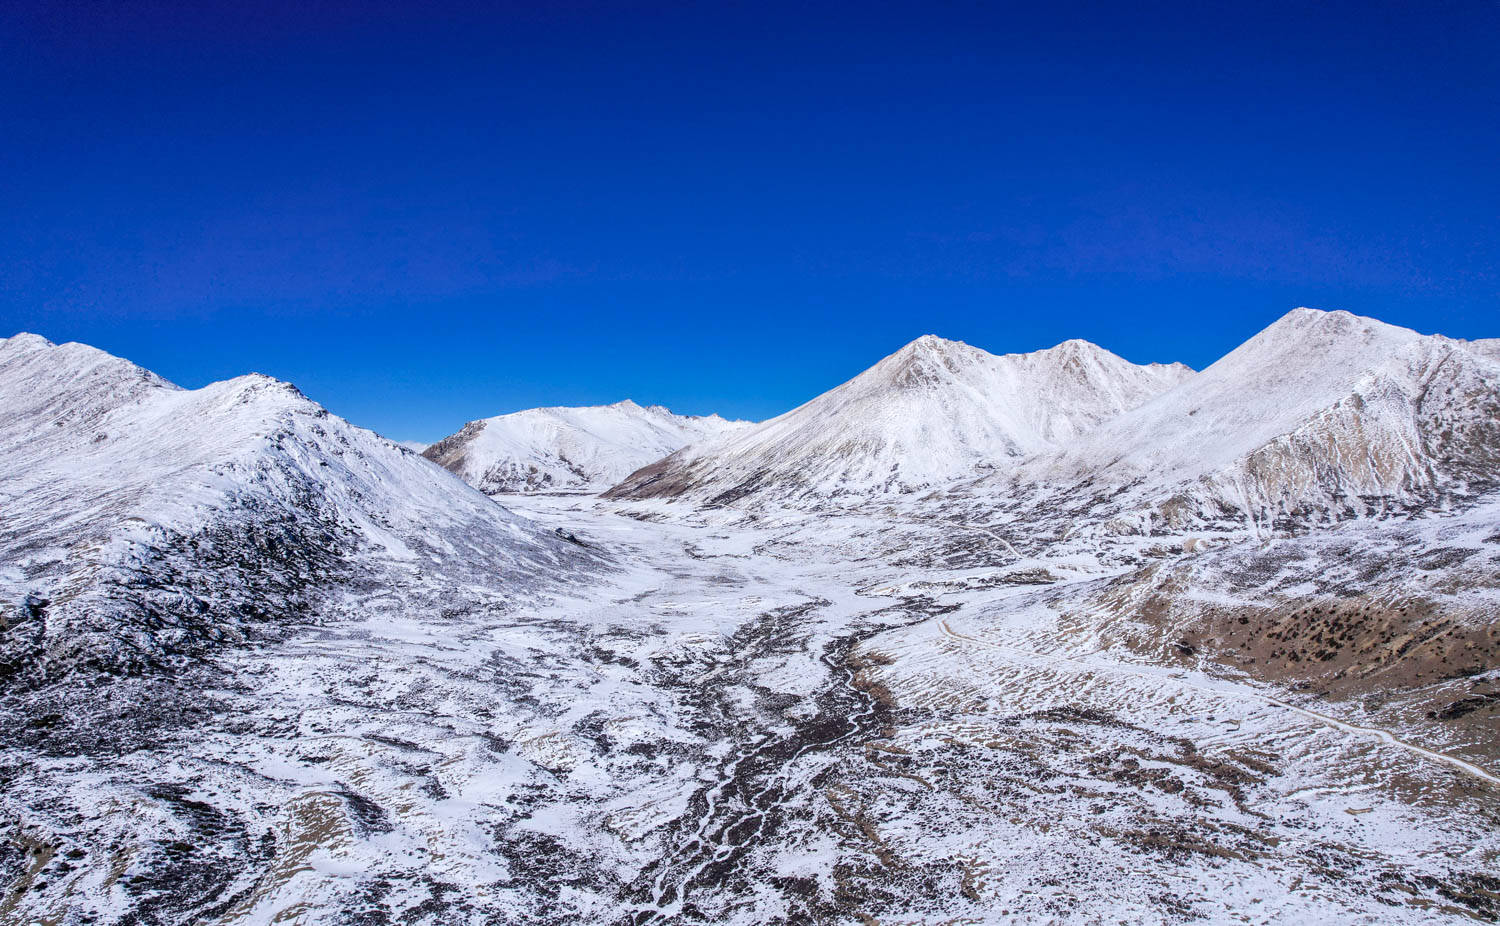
[427,213]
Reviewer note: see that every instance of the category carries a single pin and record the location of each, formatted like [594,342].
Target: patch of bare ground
[1409,661]
[861,663]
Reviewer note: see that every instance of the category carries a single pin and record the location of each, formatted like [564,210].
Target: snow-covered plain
[925,707]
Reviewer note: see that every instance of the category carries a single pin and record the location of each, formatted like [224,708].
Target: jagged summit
[934,411]
[923,360]
[930,346]
[568,449]
[930,358]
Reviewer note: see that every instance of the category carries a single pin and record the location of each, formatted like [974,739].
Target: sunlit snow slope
[569,449]
[144,523]
[1321,416]
[933,412]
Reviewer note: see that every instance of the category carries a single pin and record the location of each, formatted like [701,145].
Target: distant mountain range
[1321,417]
[568,449]
[971,637]
[934,412]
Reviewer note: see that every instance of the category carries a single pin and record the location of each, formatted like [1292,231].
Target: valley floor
[753,721]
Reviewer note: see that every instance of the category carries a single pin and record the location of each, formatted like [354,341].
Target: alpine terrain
[1323,416]
[971,638]
[931,413]
[568,449]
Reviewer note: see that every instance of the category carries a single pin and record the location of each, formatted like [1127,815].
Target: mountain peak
[89,377]
[1336,336]
[925,360]
[565,448]
[26,340]
[934,411]
[931,343]
[1318,411]
[1078,345]
[1336,321]
[1071,350]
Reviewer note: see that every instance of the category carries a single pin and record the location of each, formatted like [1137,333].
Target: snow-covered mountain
[997,702]
[587,449]
[143,523]
[933,412]
[1321,416]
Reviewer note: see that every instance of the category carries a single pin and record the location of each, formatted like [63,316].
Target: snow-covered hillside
[1013,700]
[144,523]
[569,449]
[933,412]
[1321,416]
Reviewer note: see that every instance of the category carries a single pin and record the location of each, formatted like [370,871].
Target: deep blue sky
[428,214]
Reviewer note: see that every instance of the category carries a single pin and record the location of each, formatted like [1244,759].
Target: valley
[716,734]
[264,666]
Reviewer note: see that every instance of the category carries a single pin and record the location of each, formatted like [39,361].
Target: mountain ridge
[568,448]
[1321,415]
[212,511]
[930,413]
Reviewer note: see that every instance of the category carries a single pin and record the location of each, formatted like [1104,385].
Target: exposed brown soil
[1431,662]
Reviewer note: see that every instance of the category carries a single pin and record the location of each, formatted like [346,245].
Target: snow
[109,469]
[931,413]
[408,703]
[569,449]
[1322,411]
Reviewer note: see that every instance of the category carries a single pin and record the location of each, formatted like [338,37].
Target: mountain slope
[548,449]
[144,523]
[932,412]
[1321,416]
[887,714]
